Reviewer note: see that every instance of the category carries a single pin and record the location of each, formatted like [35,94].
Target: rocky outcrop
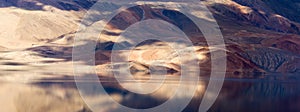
[257,12]
[249,54]
[290,43]
[279,7]
[273,60]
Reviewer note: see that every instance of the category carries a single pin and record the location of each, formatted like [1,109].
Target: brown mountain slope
[259,37]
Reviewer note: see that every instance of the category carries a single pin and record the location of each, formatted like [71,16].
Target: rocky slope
[261,13]
[260,37]
[254,47]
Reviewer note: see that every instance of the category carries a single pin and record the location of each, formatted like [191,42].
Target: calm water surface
[273,93]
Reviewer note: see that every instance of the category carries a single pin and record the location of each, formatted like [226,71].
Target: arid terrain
[262,40]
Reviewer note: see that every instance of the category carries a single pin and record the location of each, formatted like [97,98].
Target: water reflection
[16,97]
[62,96]
[261,95]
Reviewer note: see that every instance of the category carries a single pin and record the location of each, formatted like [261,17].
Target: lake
[275,92]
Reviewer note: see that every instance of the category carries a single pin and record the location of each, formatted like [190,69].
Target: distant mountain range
[262,36]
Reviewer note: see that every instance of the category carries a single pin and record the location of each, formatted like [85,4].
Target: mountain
[261,36]
[258,42]
[280,16]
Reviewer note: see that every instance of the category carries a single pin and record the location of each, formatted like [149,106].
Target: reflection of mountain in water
[236,95]
[32,98]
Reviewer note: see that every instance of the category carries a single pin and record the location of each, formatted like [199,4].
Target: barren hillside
[260,37]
